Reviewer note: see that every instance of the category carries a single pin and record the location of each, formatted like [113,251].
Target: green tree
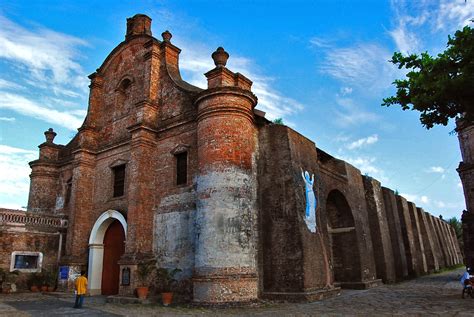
[439,87]
[457,225]
[278,121]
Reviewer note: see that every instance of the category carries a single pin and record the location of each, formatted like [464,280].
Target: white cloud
[341,137]
[196,59]
[436,169]
[454,14]
[426,202]
[409,197]
[362,142]
[5,84]
[406,41]
[420,201]
[50,57]
[12,206]
[7,119]
[68,119]
[416,21]
[458,206]
[366,165]
[459,185]
[345,91]
[320,42]
[362,65]
[408,18]
[424,199]
[349,113]
[14,178]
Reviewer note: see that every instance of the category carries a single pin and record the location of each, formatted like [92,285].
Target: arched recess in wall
[111,219]
[343,240]
[123,96]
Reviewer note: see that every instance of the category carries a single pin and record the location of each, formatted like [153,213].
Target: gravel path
[432,295]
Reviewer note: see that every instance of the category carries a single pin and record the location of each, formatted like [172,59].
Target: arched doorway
[106,246]
[113,249]
[343,239]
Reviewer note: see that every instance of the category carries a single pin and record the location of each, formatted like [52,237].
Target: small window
[119,180]
[181,168]
[26,261]
[68,192]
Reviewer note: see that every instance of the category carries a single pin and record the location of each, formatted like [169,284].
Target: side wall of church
[292,259]
[393,238]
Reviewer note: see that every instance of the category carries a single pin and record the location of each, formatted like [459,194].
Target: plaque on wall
[126,276]
[63,272]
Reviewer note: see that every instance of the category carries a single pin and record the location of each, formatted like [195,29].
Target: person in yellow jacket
[81,288]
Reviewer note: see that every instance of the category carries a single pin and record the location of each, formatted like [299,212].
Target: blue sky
[320,65]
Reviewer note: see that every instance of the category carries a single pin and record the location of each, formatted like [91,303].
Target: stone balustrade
[19,218]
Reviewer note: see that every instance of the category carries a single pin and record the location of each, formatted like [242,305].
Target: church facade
[198,179]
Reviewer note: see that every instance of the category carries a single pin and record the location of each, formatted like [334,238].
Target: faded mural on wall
[311,202]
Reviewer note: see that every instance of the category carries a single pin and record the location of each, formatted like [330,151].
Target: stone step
[116,299]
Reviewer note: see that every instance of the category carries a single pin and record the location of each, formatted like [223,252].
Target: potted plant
[51,279]
[145,271]
[166,281]
[42,277]
[7,281]
[33,282]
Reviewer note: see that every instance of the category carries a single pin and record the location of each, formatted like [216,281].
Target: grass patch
[449,268]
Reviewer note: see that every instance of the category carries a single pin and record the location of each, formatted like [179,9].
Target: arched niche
[343,239]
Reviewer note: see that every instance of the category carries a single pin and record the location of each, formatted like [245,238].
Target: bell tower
[225,259]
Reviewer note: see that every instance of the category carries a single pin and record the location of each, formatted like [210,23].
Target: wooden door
[113,249]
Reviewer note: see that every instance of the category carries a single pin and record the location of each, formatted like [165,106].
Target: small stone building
[200,180]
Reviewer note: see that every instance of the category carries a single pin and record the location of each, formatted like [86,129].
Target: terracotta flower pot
[167,298]
[142,292]
[50,288]
[34,288]
[44,288]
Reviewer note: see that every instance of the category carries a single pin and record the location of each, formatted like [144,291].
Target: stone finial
[138,24]
[220,57]
[166,35]
[50,135]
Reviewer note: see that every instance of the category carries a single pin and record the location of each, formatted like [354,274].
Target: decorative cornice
[149,43]
[96,80]
[238,111]
[83,150]
[180,148]
[45,174]
[146,103]
[139,126]
[227,90]
[118,162]
[150,54]
[170,46]
[43,163]
[140,142]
